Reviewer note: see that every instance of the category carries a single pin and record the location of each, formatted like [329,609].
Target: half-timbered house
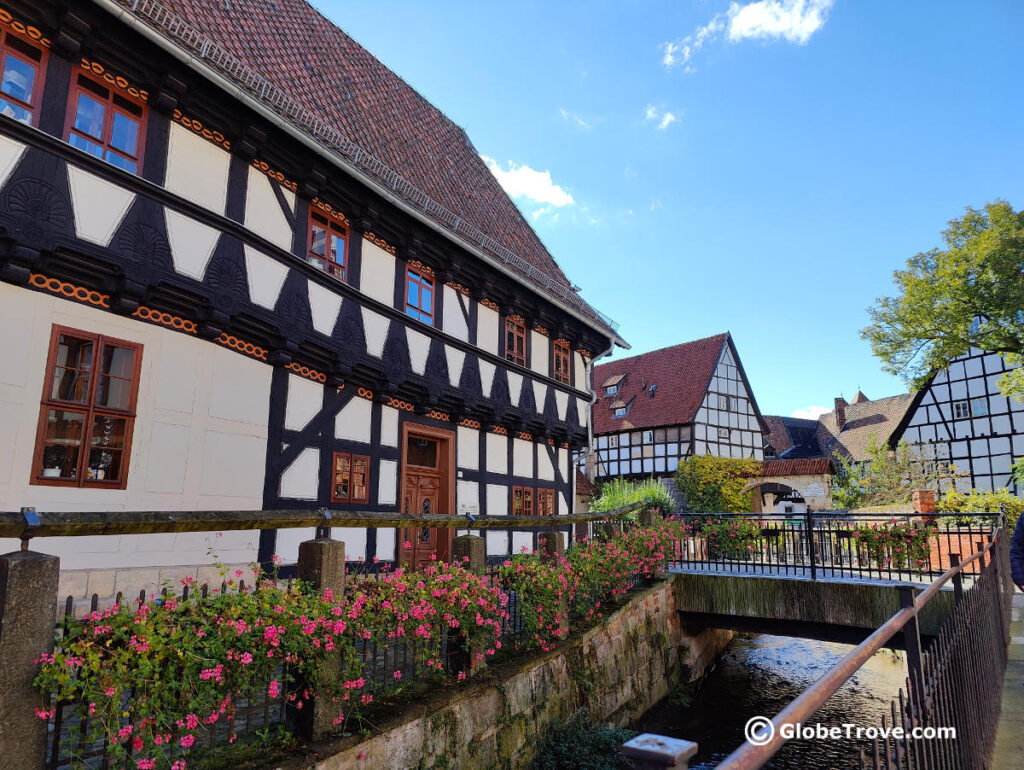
[960,417]
[656,408]
[243,265]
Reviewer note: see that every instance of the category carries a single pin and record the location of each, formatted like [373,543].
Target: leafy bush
[981,501]
[716,484]
[154,677]
[578,744]
[620,492]
[731,537]
[887,477]
[896,545]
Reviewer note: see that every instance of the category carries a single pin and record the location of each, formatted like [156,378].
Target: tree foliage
[888,477]
[716,484]
[978,275]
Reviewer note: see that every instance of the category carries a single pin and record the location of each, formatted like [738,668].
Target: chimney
[840,413]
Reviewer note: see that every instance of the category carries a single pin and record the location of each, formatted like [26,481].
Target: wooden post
[471,546]
[322,565]
[657,752]
[28,595]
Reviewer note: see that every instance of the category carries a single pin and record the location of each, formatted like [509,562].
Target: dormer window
[327,239]
[621,408]
[613,390]
[613,384]
[515,340]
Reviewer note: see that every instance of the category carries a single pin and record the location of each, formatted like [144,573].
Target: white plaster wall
[199,441]
[197,169]
[263,214]
[487,330]
[388,426]
[467,448]
[540,353]
[496,448]
[453,319]
[580,364]
[522,457]
[266,277]
[387,484]
[191,244]
[354,421]
[377,274]
[98,205]
[497,500]
[305,399]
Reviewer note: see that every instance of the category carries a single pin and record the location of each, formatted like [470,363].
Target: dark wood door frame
[442,537]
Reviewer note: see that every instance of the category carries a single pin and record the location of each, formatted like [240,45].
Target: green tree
[716,484]
[978,275]
[887,477]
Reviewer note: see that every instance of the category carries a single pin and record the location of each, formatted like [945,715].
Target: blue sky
[699,166]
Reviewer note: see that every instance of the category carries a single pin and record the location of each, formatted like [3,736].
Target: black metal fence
[831,545]
[946,715]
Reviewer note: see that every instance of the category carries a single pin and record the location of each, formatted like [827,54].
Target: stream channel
[759,676]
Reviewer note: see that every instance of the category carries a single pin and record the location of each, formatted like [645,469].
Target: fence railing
[28,586]
[946,715]
[832,545]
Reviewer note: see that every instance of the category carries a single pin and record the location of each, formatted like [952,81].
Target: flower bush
[153,678]
[895,545]
[731,537]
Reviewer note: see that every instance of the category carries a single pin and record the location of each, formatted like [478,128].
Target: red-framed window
[515,340]
[561,360]
[545,502]
[522,501]
[350,478]
[22,69]
[106,123]
[327,244]
[87,414]
[419,295]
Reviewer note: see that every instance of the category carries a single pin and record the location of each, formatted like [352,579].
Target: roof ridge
[678,345]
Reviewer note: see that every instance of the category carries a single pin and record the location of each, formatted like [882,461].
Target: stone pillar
[656,752]
[28,594]
[923,500]
[646,517]
[552,545]
[473,547]
[322,565]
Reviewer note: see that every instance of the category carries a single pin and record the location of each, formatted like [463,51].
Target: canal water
[759,676]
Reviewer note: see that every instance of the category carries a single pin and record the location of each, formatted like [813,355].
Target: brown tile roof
[329,74]
[864,420]
[682,374]
[792,438]
[583,485]
[804,467]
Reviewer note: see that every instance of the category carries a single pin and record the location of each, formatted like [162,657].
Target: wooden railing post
[28,595]
[321,565]
[471,547]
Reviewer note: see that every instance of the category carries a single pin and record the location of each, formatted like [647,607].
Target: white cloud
[521,181]
[679,53]
[575,119]
[663,118]
[810,412]
[793,20]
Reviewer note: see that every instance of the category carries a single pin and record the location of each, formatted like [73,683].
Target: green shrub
[730,537]
[577,744]
[981,501]
[896,545]
[620,492]
[716,484]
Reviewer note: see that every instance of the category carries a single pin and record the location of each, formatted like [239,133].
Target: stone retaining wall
[616,671]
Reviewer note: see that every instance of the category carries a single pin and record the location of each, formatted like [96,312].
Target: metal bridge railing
[955,683]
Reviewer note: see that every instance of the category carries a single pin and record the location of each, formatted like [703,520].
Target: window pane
[75,140]
[71,374]
[61,444]
[19,79]
[425,296]
[414,294]
[337,245]
[316,242]
[89,117]
[422,452]
[104,465]
[15,111]
[120,161]
[108,432]
[118,362]
[124,134]
[359,479]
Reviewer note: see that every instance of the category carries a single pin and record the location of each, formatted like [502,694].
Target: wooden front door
[427,487]
[421,495]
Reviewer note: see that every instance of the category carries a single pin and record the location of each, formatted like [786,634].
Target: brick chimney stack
[840,413]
